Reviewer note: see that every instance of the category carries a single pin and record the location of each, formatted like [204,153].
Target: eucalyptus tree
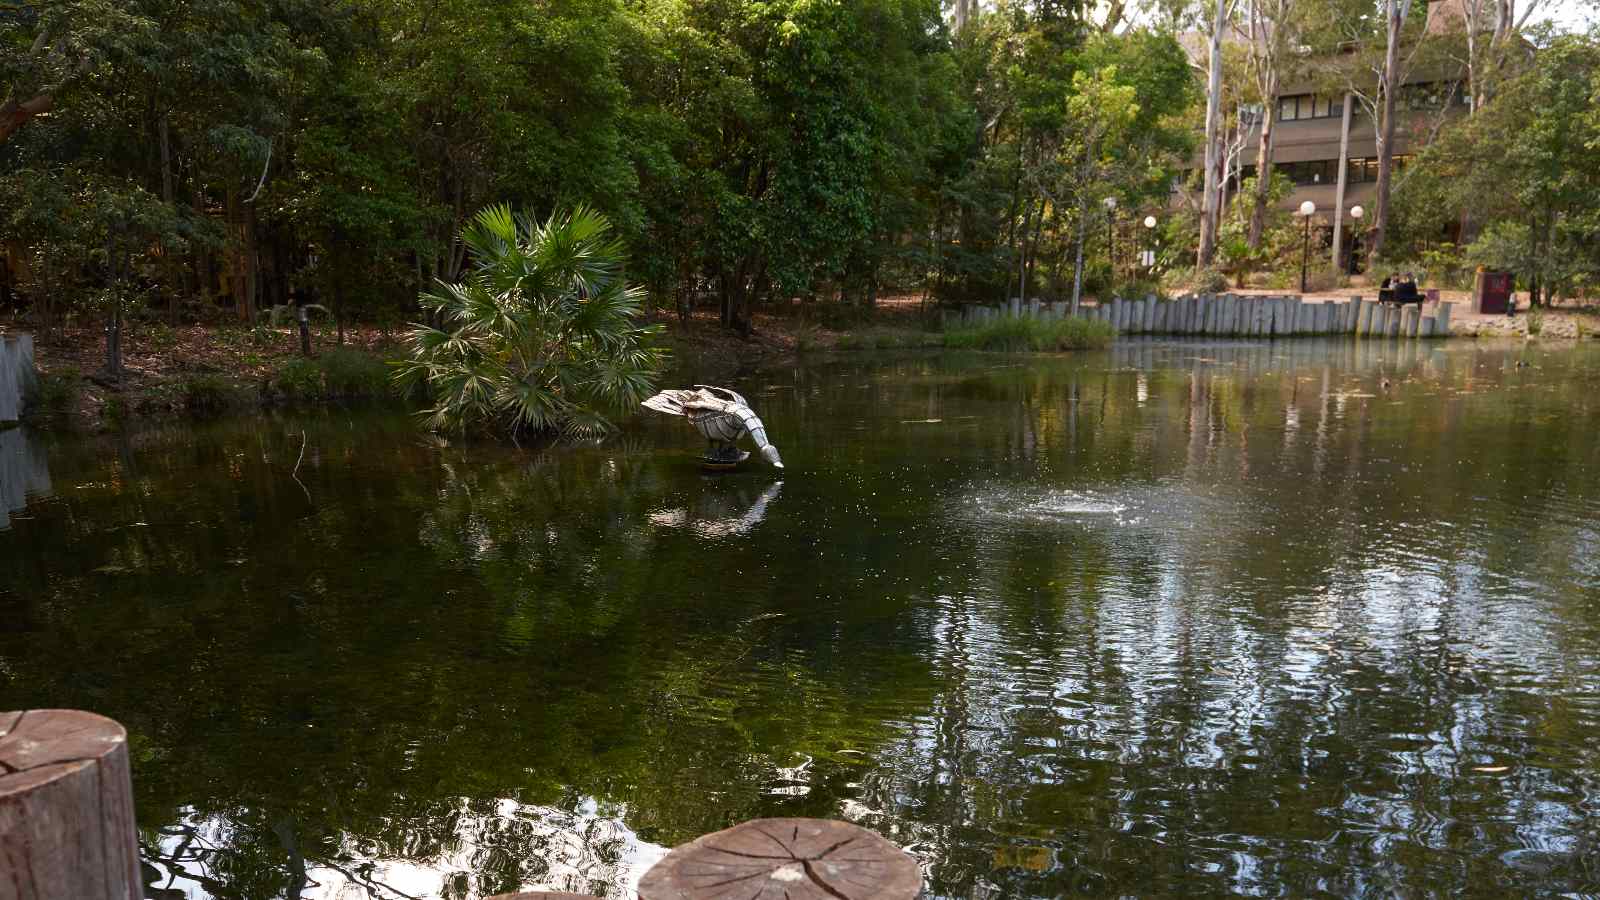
[1272,36]
[1368,49]
[1219,14]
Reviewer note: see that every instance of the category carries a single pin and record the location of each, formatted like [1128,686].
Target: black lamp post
[1306,209]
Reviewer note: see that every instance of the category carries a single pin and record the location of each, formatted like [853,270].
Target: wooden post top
[785,859]
[543,895]
[40,745]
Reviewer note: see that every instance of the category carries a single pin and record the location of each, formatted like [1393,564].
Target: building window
[1317,171]
[1309,106]
[1365,169]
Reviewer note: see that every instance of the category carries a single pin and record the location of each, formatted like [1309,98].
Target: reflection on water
[715,513]
[24,473]
[578,850]
[1203,618]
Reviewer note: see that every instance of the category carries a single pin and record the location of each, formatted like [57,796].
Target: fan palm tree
[543,335]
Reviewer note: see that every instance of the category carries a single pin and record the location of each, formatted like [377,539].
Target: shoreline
[204,371]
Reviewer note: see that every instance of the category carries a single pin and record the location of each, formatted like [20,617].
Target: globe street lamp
[1111,240]
[1150,230]
[1306,209]
[1356,212]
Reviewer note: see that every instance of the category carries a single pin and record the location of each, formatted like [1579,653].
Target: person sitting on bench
[1406,291]
[1386,290]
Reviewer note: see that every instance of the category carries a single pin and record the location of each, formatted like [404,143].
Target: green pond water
[1308,619]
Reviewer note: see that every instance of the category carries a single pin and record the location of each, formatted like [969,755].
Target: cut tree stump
[785,859]
[66,808]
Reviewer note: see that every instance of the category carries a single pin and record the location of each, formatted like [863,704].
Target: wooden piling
[785,859]
[1441,327]
[66,808]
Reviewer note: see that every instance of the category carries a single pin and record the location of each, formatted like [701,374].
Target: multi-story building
[1320,134]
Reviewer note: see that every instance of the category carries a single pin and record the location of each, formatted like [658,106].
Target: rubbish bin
[1491,292]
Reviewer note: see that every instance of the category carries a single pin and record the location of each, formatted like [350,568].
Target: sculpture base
[723,463]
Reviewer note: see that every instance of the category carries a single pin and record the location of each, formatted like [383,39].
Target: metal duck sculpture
[723,417]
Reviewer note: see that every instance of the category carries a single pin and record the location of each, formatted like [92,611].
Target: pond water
[1177,618]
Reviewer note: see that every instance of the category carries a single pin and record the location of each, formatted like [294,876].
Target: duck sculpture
[724,417]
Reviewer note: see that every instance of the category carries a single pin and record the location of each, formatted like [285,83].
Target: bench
[1402,295]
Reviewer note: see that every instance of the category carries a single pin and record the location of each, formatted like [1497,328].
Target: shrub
[543,334]
[54,394]
[350,373]
[299,378]
[1205,281]
[1139,288]
[1026,333]
[1535,321]
[342,374]
[1322,279]
[205,393]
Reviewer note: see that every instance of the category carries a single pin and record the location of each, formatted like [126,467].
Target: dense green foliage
[542,335]
[1526,170]
[247,154]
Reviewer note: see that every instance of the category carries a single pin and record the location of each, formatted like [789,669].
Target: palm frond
[542,334]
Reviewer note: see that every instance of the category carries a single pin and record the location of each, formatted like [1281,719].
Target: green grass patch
[889,339]
[335,375]
[1024,334]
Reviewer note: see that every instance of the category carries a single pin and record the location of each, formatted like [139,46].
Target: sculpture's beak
[771,453]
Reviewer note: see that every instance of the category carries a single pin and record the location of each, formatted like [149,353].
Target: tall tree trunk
[1209,214]
[1394,12]
[204,274]
[235,251]
[163,134]
[1344,177]
[252,266]
[1083,224]
[1258,208]
[1022,256]
[1033,246]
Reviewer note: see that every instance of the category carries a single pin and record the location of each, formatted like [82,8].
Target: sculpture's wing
[673,403]
[724,394]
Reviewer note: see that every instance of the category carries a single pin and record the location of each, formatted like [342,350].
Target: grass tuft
[342,374]
[1025,334]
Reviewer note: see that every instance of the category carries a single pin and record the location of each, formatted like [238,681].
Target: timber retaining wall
[1235,315]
